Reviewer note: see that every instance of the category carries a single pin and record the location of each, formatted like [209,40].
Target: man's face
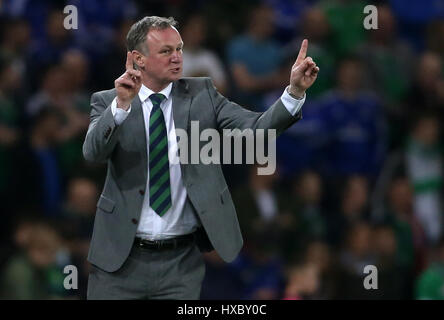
[163,63]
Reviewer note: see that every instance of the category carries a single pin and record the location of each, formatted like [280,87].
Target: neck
[155,86]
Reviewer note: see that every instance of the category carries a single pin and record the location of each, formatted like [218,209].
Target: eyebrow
[170,46]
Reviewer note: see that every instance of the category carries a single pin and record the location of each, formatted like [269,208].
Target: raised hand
[128,84]
[303,72]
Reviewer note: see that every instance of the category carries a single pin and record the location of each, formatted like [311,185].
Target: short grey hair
[135,40]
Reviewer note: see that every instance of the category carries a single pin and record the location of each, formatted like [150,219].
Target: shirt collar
[145,92]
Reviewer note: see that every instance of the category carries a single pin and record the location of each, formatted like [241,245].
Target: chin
[175,77]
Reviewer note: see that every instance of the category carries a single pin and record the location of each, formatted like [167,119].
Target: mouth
[176,70]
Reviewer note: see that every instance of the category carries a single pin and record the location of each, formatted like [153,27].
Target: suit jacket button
[133,220]
[142,192]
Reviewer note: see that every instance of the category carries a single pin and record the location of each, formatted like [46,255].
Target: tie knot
[157,98]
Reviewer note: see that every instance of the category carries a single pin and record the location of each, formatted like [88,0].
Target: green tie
[159,166]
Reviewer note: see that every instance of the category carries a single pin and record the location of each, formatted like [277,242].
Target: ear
[138,59]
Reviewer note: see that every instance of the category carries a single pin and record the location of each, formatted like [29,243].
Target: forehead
[161,37]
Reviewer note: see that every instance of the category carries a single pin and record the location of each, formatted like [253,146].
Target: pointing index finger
[302,52]
[129,61]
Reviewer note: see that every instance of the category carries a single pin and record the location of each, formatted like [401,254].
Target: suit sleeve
[230,115]
[101,137]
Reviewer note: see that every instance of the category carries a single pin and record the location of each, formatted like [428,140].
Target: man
[154,217]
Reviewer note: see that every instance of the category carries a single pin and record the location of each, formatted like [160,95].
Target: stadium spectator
[262,203]
[353,209]
[198,60]
[305,220]
[76,224]
[255,74]
[426,93]
[389,59]
[356,254]
[393,279]
[408,231]
[424,162]
[354,125]
[49,50]
[45,179]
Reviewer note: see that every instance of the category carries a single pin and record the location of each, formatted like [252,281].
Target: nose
[176,57]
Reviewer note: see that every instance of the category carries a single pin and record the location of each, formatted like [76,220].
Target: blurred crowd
[359,179]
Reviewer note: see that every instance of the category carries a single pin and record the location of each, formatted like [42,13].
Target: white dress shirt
[173,223]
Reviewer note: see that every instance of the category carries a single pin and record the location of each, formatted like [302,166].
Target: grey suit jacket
[123,147]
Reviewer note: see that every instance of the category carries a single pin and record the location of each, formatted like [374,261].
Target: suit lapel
[136,124]
[181,104]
